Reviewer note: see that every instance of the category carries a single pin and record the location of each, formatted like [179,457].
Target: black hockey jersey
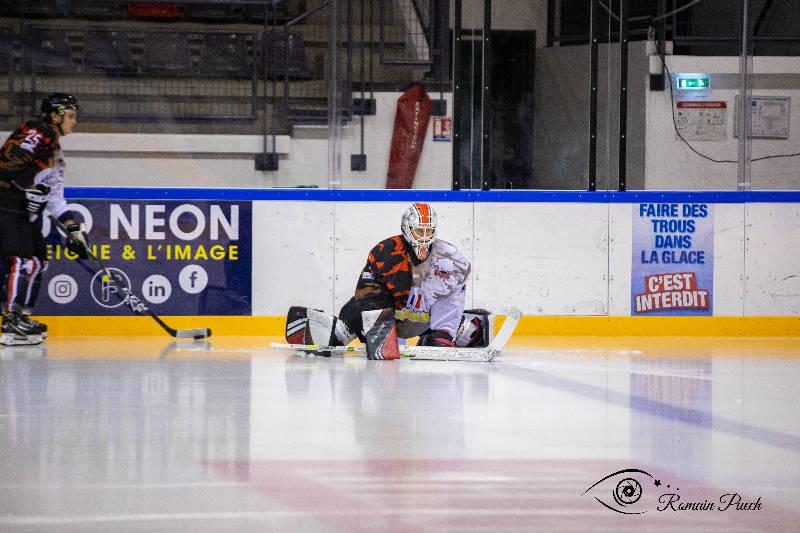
[30,149]
[428,295]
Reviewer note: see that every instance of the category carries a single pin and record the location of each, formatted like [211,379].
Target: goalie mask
[419,228]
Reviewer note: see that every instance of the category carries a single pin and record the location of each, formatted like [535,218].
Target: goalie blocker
[377,330]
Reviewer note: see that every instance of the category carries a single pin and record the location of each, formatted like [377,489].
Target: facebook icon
[193,279]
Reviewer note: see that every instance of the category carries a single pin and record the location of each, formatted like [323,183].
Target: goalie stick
[134,302]
[429,353]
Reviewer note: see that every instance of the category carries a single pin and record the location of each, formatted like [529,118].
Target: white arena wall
[568,260]
[517,252]
[548,259]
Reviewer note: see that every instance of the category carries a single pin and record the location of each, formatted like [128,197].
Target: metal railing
[307,101]
[172,71]
[406,32]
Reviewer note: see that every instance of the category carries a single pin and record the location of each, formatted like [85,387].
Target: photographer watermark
[635,491]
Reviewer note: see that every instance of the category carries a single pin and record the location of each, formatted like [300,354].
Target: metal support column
[443,15]
[745,114]
[334,95]
[594,27]
[268,160]
[623,92]
[658,81]
[486,100]
[458,89]
[358,162]
[441,20]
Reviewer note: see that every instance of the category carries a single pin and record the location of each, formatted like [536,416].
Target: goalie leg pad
[312,326]
[380,332]
[476,329]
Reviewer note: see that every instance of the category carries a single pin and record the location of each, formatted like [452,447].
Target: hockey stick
[134,302]
[432,353]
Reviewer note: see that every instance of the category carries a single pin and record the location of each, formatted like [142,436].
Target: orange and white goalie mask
[419,228]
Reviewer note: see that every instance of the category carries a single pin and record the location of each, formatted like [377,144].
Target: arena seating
[276,11]
[50,51]
[98,9]
[184,59]
[224,54]
[167,53]
[8,42]
[108,52]
[285,54]
[40,8]
[216,12]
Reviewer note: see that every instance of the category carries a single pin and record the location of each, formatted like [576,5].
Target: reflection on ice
[154,431]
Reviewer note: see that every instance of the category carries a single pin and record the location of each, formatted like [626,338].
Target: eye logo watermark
[626,493]
[631,494]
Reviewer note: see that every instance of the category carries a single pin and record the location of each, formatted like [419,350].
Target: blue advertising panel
[673,259]
[180,257]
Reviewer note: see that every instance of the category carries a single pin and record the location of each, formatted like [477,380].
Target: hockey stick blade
[483,355]
[196,333]
[507,330]
[135,303]
[317,348]
[435,353]
[430,353]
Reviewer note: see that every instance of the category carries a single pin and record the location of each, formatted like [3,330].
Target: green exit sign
[693,83]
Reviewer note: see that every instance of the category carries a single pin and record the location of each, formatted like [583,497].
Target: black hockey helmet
[58,103]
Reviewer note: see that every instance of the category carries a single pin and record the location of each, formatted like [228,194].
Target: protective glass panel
[570,94]
[774,82]
[399,133]
[577,99]
[469,101]
[719,55]
[705,77]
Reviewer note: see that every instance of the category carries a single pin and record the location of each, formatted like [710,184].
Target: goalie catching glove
[77,240]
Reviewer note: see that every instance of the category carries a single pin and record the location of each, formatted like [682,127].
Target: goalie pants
[476,330]
[350,314]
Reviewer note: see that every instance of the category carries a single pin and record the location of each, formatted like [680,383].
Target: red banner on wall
[410,125]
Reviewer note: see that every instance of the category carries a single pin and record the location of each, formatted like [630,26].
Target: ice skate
[40,327]
[18,330]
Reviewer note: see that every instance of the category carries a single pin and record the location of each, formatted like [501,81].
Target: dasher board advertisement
[673,259]
[181,257]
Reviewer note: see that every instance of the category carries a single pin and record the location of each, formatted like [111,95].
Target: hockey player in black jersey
[31,178]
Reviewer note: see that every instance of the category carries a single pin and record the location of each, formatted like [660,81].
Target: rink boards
[604,263]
